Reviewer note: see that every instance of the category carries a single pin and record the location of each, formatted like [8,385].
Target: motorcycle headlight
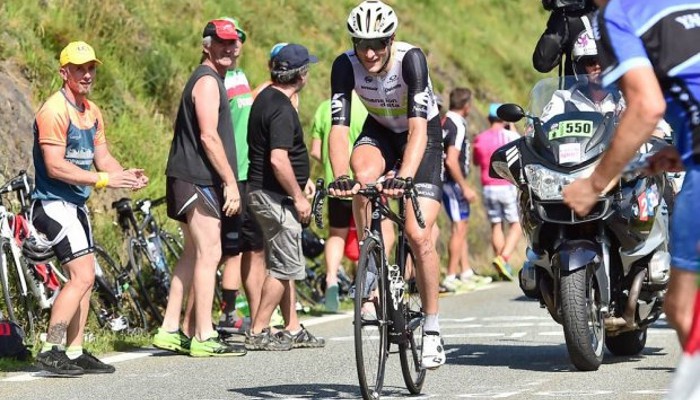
[548,184]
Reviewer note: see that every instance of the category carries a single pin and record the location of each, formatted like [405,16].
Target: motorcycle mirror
[510,112]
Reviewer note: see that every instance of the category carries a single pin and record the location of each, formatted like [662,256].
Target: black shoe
[304,338]
[56,362]
[91,365]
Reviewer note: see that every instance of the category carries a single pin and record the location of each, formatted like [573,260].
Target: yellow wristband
[102,180]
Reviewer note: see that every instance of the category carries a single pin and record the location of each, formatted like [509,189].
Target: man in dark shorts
[201,187]
[277,181]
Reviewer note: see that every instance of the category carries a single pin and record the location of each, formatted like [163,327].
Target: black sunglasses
[374,44]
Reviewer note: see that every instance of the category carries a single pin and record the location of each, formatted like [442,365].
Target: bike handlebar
[371,192]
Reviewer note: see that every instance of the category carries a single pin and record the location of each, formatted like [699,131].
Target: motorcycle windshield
[576,118]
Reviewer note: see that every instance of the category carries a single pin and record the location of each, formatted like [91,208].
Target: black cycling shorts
[339,212]
[428,179]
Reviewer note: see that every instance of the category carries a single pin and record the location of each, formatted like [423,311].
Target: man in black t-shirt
[278,185]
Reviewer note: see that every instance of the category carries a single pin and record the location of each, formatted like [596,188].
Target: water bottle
[153,250]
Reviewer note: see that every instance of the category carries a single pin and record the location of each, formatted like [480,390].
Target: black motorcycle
[602,276]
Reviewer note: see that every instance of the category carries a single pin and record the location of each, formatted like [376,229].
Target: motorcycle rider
[587,94]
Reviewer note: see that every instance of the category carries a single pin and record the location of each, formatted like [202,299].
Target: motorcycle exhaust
[628,316]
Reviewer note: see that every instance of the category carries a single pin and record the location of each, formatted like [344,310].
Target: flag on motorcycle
[685,384]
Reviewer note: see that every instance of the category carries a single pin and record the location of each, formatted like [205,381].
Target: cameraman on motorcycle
[564,21]
[587,94]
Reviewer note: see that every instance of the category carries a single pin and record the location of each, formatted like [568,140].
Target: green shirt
[240,98]
[322,127]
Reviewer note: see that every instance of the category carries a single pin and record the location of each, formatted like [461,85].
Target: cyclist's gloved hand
[394,186]
[343,186]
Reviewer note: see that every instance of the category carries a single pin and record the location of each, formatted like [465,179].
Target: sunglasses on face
[374,44]
[590,61]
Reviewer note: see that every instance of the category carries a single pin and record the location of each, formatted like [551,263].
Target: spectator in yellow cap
[69,138]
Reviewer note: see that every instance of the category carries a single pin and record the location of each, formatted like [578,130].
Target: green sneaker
[503,268]
[215,347]
[172,341]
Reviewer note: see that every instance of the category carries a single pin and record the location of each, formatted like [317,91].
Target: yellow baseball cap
[78,53]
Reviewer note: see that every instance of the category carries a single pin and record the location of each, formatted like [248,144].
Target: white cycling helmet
[372,19]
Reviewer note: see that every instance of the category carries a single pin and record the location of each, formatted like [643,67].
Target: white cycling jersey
[391,97]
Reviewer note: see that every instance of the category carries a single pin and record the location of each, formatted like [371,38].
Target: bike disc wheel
[370,324]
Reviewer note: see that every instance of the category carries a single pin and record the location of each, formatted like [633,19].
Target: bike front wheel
[371,322]
[20,304]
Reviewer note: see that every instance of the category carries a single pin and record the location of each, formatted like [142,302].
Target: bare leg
[69,311]
[205,232]
[288,306]
[180,284]
[428,263]
[457,245]
[497,239]
[512,238]
[679,301]
[253,273]
[333,252]
[272,292]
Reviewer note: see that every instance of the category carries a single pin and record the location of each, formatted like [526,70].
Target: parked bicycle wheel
[370,325]
[115,302]
[154,295]
[410,351]
[20,308]
[172,248]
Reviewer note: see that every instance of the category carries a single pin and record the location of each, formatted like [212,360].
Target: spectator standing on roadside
[201,188]
[456,193]
[278,184]
[500,197]
[69,137]
[240,98]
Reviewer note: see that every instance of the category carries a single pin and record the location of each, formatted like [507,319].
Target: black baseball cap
[292,56]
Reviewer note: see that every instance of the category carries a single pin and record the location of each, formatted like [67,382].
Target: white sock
[74,352]
[431,323]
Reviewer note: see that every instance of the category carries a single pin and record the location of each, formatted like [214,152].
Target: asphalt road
[500,346]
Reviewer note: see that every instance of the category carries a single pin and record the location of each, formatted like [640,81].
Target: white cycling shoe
[433,351]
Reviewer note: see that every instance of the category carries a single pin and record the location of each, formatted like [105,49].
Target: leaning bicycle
[387,307]
[152,252]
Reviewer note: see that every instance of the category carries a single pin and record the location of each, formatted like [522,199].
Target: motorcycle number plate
[572,127]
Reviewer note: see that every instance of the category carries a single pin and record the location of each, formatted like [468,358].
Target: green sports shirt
[240,99]
[322,127]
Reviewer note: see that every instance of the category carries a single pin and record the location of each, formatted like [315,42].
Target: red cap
[221,28]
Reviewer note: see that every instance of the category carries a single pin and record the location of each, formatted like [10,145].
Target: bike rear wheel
[371,322]
[116,302]
[410,351]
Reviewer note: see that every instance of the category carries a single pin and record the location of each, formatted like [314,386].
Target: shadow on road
[313,391]
[542,358]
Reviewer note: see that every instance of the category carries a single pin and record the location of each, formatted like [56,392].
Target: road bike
[152,251]
[387,306]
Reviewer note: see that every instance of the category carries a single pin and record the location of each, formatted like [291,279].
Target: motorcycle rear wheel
[628,343]
[582,320]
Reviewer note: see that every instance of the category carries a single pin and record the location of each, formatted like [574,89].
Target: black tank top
[187,159]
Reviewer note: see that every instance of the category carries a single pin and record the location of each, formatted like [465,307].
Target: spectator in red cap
[201,188]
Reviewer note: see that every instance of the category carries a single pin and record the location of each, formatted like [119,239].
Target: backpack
[12,341]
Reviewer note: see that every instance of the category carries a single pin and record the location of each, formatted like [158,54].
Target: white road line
[327,318]
[117,358]
[517,335]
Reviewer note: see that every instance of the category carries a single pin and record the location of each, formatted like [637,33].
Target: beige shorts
[281,229]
